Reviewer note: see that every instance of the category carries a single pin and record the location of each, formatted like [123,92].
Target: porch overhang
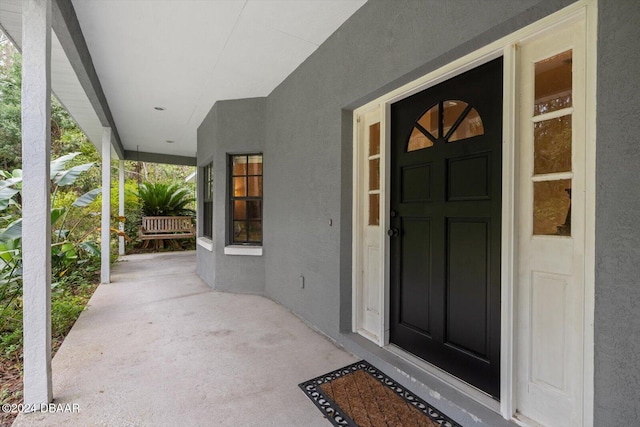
[152,71]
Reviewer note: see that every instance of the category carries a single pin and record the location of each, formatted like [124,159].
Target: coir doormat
[359,395]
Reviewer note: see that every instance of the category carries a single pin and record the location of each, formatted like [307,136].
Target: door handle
[393,232]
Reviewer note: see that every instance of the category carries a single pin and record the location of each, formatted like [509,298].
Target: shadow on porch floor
[157,346]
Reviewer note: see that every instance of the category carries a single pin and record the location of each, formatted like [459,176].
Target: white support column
[105,273]
[121,205]
[36,185]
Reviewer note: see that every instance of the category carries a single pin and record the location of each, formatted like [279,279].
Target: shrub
[165,200]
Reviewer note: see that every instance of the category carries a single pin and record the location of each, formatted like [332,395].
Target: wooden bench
[161,228]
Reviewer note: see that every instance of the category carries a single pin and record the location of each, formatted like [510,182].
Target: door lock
[393,232]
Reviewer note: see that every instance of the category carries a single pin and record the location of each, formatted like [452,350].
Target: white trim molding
[205,242]
[243,250]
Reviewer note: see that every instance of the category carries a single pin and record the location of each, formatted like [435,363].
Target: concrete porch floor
[158,347]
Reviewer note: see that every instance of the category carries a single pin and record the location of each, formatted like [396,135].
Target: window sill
[243,250]
[206,243]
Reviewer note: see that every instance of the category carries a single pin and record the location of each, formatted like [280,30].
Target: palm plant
[165,199]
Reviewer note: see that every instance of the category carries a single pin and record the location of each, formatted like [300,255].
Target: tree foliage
[160,199]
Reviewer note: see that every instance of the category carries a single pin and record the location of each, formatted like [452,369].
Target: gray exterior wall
[231,127]
[617,311]
[307,190]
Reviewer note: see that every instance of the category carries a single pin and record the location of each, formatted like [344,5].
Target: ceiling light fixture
[169,141]
[159,108]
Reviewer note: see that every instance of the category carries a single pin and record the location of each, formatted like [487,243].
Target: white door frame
[506,47]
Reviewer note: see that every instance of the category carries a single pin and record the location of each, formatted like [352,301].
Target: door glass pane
[429,120]
[470,126]
[553,83]
[374,174]
[255,165]
[374,139]
[374,209]
[451,111]
[552,208]
[240,187]
[552,145]
[255,186]
[418,141]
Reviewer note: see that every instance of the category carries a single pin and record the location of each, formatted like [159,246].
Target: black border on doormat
[338,418]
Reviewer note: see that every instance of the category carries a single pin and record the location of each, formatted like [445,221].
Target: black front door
[446,161]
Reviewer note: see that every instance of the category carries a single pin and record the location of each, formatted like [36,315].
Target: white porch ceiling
[182,55]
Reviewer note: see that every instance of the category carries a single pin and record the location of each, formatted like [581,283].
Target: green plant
[68,251]
[165,199]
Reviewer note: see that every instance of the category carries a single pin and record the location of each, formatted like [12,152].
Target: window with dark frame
[207,201]
[245,199]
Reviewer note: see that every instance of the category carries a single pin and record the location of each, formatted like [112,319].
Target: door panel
[445,224]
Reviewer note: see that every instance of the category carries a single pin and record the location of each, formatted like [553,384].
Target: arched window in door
[447,121]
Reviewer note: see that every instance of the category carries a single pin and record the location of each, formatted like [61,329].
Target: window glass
[207,201]
[245,199]
[553,81]
[374,174]
[429,120]
[374,209]
[552,145]
[470,126]
[418,141]
[374,139]
[552,208]
[458,121]
[451,111]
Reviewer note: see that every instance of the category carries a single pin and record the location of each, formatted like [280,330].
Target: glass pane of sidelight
[418,141]
[254,209]
[239,210]
[374,139]
[374,174]
[552,145]
[552,208]
[240,187]
[429,120]
[553,83]
[255,165]
[470,126]
[255,186]
[255,231]
[239,165]
[239,231]
[374,209]
[451,111]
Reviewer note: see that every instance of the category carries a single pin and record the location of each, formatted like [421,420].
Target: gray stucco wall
[617,310]
[231,127]
[205,261]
